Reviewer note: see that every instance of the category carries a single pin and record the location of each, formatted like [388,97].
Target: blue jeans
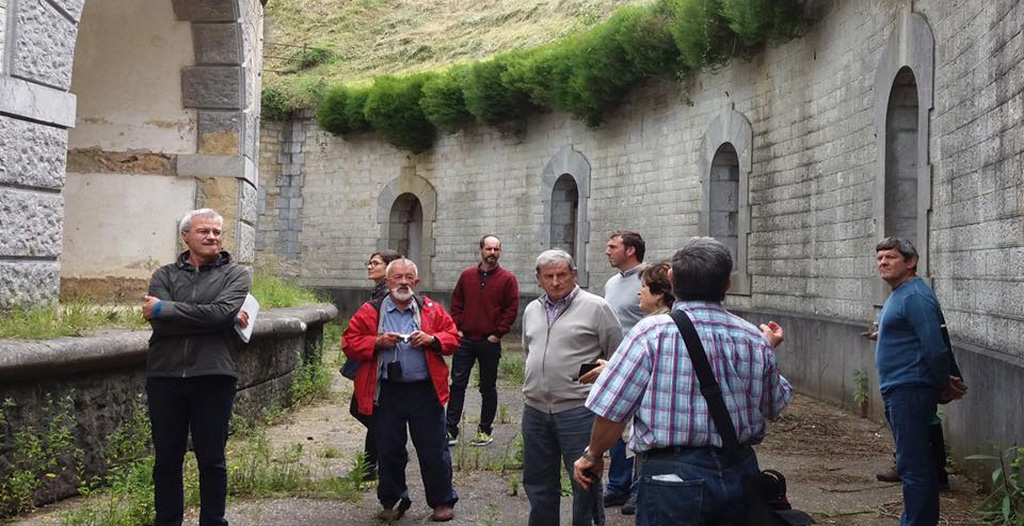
[414,405]
[550,439]
[910,411]
[708,489]
[620,470]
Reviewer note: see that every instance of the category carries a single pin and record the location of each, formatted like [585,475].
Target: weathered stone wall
[100,382]
[811,114]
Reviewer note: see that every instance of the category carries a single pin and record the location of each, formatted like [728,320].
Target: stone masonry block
[247,201]
[30,223]
[3,31]
[213,87]
[207,10]
[245,252]
[220,132]
[44,44]
[217,44]
[251,134]
[28,282]
[32,154]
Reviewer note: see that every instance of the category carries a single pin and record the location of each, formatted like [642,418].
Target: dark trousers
[413,405]
[370,444]
[488,354]
[200,405]
[910,411]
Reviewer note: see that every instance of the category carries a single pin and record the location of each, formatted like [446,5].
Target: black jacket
[193,333]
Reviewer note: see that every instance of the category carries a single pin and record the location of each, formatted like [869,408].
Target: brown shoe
[889,476]
[442,513]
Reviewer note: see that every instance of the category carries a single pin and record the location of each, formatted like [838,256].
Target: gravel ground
[829,457]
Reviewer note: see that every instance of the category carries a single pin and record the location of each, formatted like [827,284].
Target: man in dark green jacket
[193,305]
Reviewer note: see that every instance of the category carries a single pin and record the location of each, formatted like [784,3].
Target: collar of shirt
[484,274]
[555,308]
[630,272]
[692,304]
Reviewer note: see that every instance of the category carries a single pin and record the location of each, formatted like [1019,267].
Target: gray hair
[186,222]
[554,256]
[902,245]
[701,270]
[402,261]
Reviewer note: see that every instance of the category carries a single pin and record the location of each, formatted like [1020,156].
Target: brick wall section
[810,105]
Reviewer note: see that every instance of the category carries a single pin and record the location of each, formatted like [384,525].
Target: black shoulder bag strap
[708,385]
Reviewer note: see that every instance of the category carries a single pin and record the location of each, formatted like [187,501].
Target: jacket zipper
[184,363]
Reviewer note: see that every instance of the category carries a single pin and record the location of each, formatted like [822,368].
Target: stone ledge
[121,348]
[197,165]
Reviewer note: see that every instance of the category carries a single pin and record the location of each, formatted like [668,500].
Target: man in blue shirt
[913,371]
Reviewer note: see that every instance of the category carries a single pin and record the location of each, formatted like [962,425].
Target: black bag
[764,495]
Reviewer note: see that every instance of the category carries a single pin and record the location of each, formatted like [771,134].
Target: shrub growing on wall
[584,74]
[442,101]
[393,108]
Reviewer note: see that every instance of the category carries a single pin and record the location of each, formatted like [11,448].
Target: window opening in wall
[405,232]
[901,134]
[565,204]
[723,217]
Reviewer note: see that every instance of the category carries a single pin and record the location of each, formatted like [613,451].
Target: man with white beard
[401,341]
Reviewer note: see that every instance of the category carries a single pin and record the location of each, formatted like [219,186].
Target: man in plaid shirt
[685,476]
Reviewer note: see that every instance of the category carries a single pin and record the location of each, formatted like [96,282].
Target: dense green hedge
[584,75]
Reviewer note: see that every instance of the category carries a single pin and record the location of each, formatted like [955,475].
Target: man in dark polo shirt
[484,306]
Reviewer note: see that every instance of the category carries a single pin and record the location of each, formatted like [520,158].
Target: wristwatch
[590,458]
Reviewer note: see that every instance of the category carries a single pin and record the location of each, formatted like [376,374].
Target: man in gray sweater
[562,330]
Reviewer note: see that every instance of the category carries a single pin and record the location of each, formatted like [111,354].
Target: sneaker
[481,439]
[889,476]
[393,514]
[443,513]
[452,439]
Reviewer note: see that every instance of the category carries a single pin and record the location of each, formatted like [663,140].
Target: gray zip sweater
[585,331]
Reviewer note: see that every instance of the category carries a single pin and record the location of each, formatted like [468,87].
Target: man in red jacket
[484,305]
[401,340]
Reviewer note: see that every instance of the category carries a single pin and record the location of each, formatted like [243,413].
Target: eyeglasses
[373,263]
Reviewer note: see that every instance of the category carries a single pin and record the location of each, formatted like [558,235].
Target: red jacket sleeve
[509,307]
[360,337]
[443,328]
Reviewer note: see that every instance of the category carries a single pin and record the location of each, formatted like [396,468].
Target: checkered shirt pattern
[555,309]
[651,379]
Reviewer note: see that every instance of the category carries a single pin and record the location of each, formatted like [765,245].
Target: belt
[680,450]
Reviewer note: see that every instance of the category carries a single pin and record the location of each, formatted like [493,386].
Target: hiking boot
[481,439]
[889,476]
[443,513]
[629,508]
[615,499]
[452,439]
[393,514]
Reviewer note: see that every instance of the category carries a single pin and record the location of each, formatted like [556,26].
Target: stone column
[37,42]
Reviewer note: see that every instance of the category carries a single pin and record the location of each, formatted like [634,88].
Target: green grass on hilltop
[367,38]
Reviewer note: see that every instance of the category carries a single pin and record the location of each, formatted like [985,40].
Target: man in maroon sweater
[484,305]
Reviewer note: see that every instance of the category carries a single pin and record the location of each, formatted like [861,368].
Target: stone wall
[100,382]
[807,120]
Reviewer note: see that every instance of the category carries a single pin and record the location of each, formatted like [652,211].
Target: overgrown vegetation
[70,319]
[860,391]
[585,74]
[34,456]
[1005,505]
[274,291]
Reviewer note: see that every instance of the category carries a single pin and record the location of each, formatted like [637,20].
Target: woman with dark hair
[376,271]
[656,290]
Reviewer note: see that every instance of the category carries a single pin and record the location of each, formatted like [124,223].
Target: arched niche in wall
[903,92]
[725,165]
[406,211]
[565,188]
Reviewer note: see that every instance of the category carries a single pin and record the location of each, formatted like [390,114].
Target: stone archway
[406,211]
[903,99]
[567,171]
[725,166]
[140,157]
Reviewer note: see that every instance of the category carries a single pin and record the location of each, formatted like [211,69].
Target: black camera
[394,370]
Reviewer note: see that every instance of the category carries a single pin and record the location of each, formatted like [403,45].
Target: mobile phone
[587,367]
